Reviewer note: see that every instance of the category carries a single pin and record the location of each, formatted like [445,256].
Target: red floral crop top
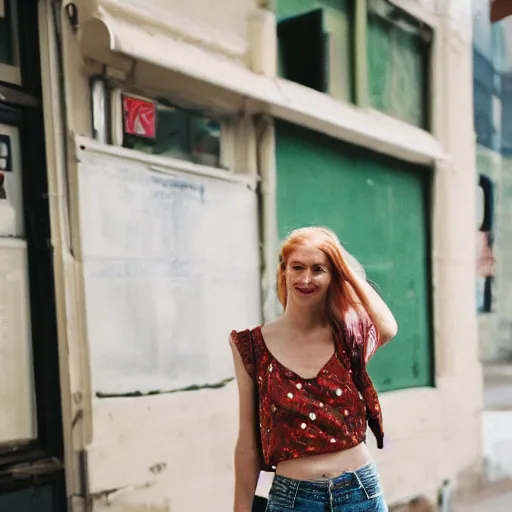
[301,417]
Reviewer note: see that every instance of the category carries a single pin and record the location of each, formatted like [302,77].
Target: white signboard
[171,265]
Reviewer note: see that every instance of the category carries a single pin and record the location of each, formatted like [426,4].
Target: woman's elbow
[389,330]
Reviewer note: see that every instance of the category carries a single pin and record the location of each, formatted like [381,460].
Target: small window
[160,128]
[9,49]
[304,50]
[316,46]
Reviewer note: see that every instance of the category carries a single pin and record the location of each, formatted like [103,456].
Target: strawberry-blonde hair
[340,298]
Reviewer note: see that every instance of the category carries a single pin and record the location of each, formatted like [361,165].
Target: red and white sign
[139,117]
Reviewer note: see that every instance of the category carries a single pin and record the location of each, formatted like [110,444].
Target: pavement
[497,422]
[496,496]
[497,387]
[496,503]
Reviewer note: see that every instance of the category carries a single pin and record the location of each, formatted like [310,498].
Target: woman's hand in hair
[380,314]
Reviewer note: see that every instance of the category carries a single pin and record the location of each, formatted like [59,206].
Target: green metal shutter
[379,208]
[399,68]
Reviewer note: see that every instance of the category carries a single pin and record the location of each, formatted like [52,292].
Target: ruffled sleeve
[243,342]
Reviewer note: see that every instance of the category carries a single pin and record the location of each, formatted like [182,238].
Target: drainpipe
[445,497]
[361,64]
[269,238]
[262,57]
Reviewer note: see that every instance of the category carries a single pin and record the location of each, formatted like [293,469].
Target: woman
[305,396]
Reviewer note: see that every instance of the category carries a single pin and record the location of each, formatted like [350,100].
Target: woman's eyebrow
[314,264]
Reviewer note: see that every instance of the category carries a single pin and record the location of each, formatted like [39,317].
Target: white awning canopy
[104,32]
[108,39]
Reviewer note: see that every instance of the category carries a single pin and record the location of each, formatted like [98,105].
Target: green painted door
[379,208]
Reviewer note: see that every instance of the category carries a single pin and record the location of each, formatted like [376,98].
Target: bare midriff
[325,466]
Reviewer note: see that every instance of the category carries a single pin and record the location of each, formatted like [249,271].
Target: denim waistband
[362,474]
[366,478]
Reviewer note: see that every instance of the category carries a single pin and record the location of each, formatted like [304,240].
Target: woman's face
[308,275]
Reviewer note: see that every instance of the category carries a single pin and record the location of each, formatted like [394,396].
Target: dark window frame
[19,460]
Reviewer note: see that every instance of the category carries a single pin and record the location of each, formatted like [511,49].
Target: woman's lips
[305,291]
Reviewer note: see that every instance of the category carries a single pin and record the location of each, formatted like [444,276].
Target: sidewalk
[496,496]
[497,422]
[497,387]
[497,503]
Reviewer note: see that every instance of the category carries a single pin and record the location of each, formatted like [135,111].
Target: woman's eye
[296,267]
[318,269]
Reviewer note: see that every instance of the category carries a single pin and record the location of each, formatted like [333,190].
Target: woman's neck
[305,319]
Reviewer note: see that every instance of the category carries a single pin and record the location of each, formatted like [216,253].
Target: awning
[104,37]
[500,9]
[104,32]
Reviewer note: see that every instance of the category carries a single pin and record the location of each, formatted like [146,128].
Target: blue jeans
[358,491]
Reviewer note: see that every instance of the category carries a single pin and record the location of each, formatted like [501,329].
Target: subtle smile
[305,291]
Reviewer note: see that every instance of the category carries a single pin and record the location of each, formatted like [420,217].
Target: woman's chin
[307,300]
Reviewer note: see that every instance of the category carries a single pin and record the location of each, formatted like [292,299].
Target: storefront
[31,438]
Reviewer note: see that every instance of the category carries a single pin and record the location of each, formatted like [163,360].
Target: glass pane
[7,54]
[182,134]
[17,395]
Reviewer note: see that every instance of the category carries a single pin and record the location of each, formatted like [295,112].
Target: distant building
[492,64]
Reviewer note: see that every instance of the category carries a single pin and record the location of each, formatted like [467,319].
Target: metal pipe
[360,54]
[269,238]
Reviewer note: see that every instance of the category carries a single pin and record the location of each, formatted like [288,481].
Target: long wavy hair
[344,293]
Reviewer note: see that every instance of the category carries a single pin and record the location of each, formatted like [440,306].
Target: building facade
[492,72]
[181,144]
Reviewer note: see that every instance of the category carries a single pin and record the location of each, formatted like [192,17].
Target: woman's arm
[379,312]
[246,450]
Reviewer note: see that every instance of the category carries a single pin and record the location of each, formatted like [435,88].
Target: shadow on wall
[485,242]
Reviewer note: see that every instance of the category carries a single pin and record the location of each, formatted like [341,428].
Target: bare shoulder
[271,326]
[273,330]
